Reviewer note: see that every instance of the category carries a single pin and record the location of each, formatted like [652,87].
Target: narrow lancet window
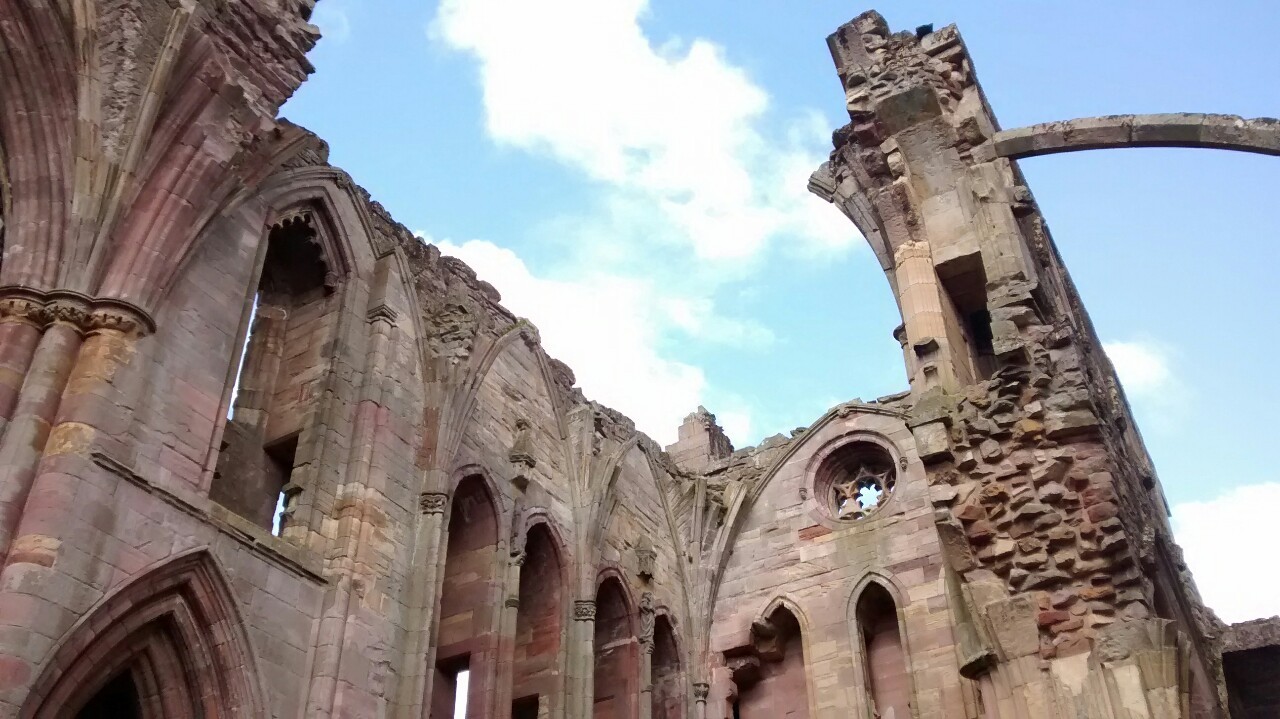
[279,368]
[770,676]
[536,678]
[887,682]
[464,646]
[617,665]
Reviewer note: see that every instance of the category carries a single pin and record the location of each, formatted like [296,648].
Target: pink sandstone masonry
[397,486]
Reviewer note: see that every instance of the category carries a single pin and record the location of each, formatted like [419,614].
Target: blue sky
[631,175]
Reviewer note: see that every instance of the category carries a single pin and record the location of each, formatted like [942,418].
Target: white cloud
[692,179]
[605,327]
[1222,539]
[1148,371]
[332,18]
[1144,367]
[675,126]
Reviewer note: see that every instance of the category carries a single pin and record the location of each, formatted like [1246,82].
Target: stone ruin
[397,487]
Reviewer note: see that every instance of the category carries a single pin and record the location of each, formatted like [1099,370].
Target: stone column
[646,654]
[22,321]
[700,692]
[92,416]
[415,670]
[35,406]
[78,403]
[507,636]
[335,688]
[582,659]
[932,334]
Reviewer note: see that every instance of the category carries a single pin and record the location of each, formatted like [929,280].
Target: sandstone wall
[991,543]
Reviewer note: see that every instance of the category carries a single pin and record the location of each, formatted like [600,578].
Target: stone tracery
[1005,490]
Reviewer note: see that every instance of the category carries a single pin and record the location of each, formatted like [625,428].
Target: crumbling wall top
[1253,634]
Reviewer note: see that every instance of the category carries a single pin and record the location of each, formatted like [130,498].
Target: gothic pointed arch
[172,636]
[881,653]
[466,630]
[668,692]
[541,618]
[617,658]
[770,672]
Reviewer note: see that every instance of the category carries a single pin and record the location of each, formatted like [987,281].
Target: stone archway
[617,660]
[171,643]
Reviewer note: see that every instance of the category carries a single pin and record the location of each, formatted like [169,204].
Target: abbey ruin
[992,542]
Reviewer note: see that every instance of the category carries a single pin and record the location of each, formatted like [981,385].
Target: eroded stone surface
[398,483]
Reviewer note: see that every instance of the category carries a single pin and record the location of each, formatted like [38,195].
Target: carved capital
[68,311]
[700,691]
[584,610]
[382,313]
[117,316]
[23,308]
[85,314]
[432,502]
[513,602]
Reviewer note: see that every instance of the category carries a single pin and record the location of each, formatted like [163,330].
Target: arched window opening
[464,636]
[617,665]
[538,627]
[118,699]
[282,364]
[770,672]
[668,682]
[887,683]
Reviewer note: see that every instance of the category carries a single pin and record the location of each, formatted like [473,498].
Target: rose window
[855,480]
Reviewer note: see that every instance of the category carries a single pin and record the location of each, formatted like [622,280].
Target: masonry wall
[789,548]
[454,501]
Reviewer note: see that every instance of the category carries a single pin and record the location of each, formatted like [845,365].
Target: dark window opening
[984,352]
[118,699]
[279,366]
[525,708]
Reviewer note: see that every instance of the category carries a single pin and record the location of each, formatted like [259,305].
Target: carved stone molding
[382,313]
[700,691]
[513,602]
[584,610]
[24,309]
[86,314]
[432,502]
[114,316]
